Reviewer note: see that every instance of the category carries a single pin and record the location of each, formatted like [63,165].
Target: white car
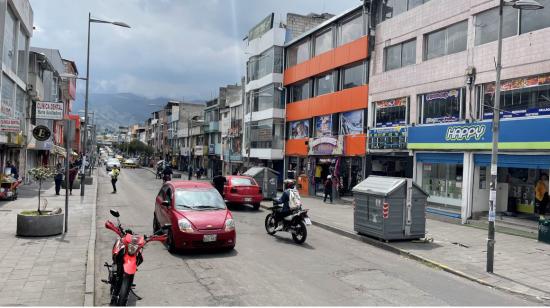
[112,162]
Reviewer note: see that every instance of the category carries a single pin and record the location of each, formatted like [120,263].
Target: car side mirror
[115,213]
[165,203]
[166,227]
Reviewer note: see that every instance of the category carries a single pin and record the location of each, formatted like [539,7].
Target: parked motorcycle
[294,223]
[127,256]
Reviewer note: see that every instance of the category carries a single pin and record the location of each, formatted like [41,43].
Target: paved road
[265,270]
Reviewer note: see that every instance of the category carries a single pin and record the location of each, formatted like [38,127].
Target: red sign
[386,210]
[392,103]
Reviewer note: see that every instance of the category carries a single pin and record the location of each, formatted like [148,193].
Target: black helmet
[289,184]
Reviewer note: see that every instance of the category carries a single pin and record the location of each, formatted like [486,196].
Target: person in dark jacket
[189,172]
[167,173]
[219,183]
[328,188]
[285,201]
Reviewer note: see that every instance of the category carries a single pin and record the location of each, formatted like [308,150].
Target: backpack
[294,201]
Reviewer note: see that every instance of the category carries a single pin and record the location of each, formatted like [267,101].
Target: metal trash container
[544,230]
[390,208]
[266,178]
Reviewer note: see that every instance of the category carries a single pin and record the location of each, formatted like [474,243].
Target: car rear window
[242,182]
[199,199]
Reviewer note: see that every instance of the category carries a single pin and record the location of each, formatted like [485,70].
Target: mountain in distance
[111,110]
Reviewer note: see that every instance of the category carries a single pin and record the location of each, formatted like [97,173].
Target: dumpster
[266,178]
[544,230]
[390,208]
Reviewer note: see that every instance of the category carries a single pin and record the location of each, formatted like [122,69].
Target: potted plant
[40,222]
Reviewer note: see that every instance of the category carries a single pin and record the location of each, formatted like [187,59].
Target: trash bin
[266,178]
[544,230]
[390,208]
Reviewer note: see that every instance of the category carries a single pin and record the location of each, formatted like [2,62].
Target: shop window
[447,41]
[353,76]
[299,129]
[519,97]
[391,112]
[442,180]
[298,53]
[299,92]
[323,42]
[392,8]
[351,30]
[351,122]
[535,19]
[486,25]
[442,107]
[400,55]
[325,126]
[324,84]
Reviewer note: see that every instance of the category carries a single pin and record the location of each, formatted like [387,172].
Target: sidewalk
[47,271]
[522,265]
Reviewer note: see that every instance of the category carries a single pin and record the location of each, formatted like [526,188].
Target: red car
[243,190]
[198,216]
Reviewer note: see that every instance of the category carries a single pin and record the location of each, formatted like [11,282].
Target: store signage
[199,150]
[49,111]
[392,103]
[41,133]
[211,149]
[10,125]
[520,134]
[326,146]
[393,138]
[466,133]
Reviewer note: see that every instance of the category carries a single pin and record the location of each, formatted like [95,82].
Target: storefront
[452,164]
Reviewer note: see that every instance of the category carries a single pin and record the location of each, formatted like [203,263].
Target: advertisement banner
[388,138]
[49,111]
[10,125]
[352,122]
[323,126]
[326,146]
[299,129]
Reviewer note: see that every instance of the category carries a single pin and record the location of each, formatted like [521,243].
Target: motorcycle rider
[167,173]
[285,200]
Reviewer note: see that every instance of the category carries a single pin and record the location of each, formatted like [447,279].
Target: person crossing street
[114,177]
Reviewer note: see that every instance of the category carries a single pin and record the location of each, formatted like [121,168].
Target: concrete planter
[44,225]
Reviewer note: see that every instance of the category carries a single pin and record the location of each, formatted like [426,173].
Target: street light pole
[519,4]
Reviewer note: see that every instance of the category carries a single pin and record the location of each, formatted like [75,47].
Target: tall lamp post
[85,148]
[522,5]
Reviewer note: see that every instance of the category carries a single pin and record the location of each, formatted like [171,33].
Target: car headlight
[229,225]
[132,248]
[185,225]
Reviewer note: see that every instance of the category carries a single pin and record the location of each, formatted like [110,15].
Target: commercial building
[436,75]
[16,26]
[264,110]
[326,80]
[187,110]
[212,137]
[231,125]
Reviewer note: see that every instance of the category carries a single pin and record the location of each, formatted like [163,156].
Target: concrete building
[326,78]
[436,76]
[187,110]
[16,27]
[264,101]
[231,129]
[212,137]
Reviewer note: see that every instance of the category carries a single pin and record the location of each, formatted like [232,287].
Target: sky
[174,48]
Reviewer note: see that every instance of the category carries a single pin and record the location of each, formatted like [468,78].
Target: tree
[40,174]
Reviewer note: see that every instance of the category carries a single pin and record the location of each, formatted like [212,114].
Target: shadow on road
[207,253]
[288,240]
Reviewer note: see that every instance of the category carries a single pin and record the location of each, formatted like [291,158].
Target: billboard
[49,111]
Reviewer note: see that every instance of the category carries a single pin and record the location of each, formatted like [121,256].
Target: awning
[440,158]
[515,161]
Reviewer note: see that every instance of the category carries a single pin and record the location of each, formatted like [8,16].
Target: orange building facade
[326,80]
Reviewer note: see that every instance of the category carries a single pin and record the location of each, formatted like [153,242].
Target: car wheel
[256,206]
[170,242]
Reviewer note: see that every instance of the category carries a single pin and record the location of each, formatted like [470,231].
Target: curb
[423,260]
[89,289]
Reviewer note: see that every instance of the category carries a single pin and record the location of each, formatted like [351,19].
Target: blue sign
[530,112]
[524,134]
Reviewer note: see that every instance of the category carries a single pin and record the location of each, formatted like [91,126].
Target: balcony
[212,127]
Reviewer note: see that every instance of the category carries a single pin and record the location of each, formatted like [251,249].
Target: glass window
[243,182]
[486,25]
[447,41]
[199,199]
[415,3]
[401,55]
[9,40]
[392,8]
[351,30]
[536,19]
[441,107]
[391,113]
[408,53]
[267,134]
[352,122]
[299,129]
[323,42]
[22,55]
[324,84]
[299,92]
[442,180]
[353,76]
[298,53]
[20,100]
[267,97]
[393,57]
[7,102]
[270,61]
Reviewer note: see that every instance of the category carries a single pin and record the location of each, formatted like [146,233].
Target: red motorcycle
[127,256]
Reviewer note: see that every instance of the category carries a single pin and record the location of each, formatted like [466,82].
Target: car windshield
[199,199]
[242,182]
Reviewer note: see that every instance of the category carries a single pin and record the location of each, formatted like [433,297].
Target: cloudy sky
[175,48]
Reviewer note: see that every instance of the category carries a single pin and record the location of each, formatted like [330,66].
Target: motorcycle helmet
[289,184]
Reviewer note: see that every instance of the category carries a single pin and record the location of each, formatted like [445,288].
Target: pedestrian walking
[328,188]
[189,172]
[219,182]
[58,178]
[541,195]
[73,171]
[114,177]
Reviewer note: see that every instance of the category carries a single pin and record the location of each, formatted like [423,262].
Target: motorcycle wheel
[300,233]
[270,224]
[124,290]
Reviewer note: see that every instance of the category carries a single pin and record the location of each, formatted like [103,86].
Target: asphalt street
[266,270]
